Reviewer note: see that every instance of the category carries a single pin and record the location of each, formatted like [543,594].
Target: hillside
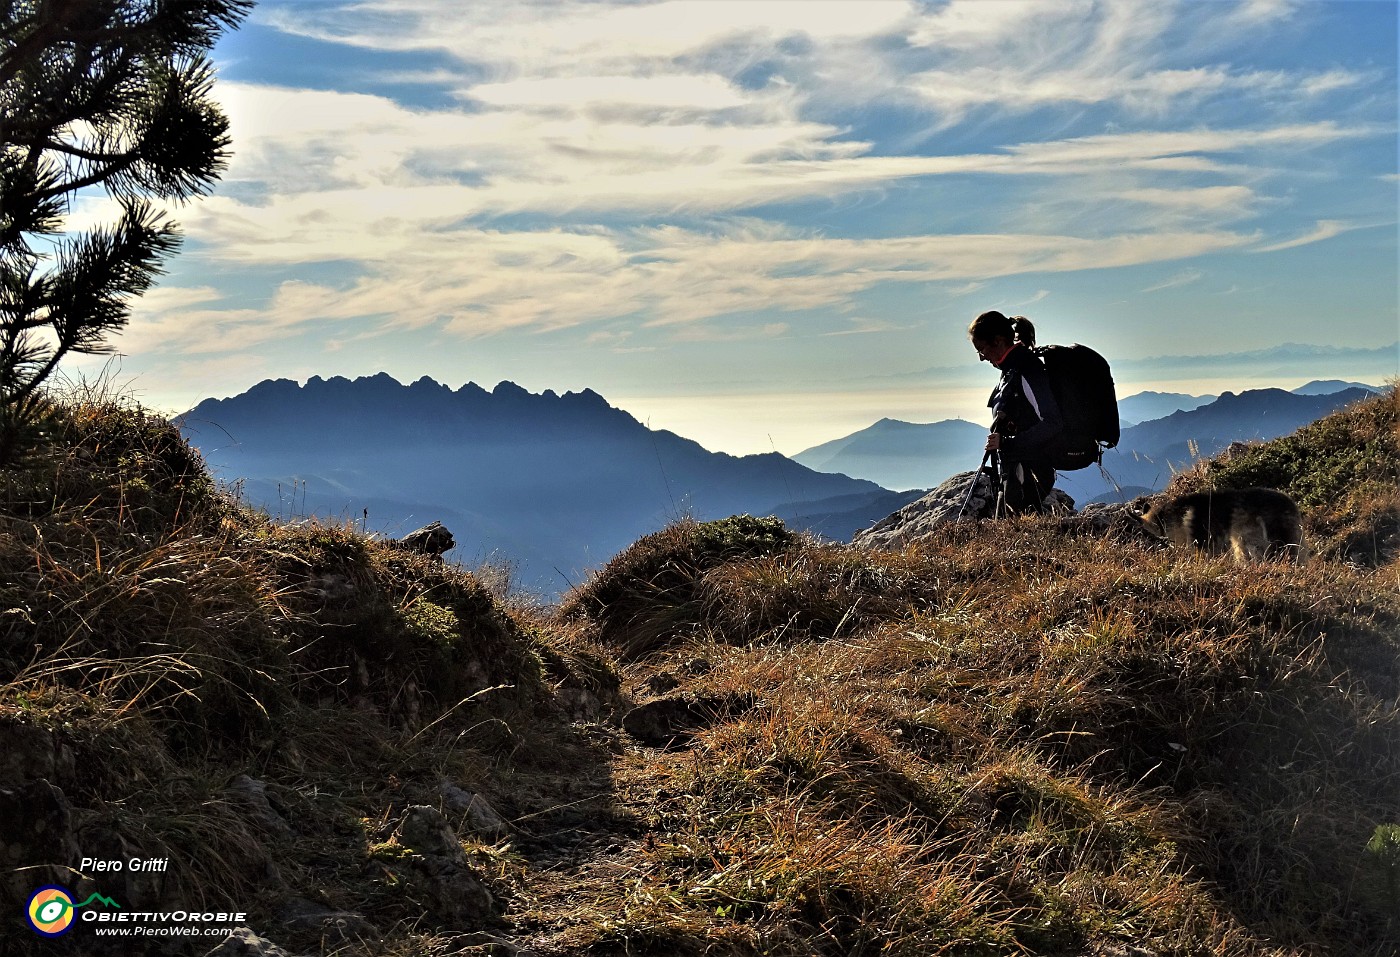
[554,484]
[1145,406]
[900,455]
[731,740]
[1150,453]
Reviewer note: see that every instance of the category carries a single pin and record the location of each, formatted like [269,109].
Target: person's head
[993,336]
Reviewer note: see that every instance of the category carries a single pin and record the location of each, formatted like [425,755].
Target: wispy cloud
[607,161]
[1325,229]
[864,325]
[1183,278]
[473,283]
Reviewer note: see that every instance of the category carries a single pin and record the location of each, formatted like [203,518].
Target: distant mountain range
[553,484]
[901,455]
[556,485]
[1151,452]
[1146,406]
[904,455]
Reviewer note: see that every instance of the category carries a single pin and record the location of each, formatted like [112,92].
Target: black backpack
[1083,387]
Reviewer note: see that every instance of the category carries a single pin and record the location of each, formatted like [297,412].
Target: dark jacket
[1024,410]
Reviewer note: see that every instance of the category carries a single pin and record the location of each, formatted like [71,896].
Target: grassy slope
[1012,740]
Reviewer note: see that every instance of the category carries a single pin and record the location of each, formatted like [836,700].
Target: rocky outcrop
[477,813]
[250,796]
[330,924]
[433,539]
[436,871]
[36,838]
[966,496]
[970,496]
[671,720]
[32,753]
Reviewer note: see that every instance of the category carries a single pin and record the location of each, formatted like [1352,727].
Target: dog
[1252,523]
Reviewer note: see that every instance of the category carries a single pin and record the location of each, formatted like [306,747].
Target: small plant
[1384,850]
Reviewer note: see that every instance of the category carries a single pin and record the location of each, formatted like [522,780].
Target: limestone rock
[431,539]
[483,819]
[671,720]
[300,914]
[250,796]
[1107,519]
[437,874]
[104,842]
[31,753]
[966,496]
[426,831]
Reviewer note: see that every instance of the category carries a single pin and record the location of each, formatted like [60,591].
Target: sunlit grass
[1008,739]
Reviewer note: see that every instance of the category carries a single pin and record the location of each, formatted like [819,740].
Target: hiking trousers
[1024,485]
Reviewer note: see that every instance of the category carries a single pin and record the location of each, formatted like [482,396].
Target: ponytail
[994,325]
[1024,331]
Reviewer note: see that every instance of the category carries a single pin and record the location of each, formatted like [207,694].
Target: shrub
[648,596]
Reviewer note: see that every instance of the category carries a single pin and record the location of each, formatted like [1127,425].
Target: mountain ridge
[934,451]
[556,483]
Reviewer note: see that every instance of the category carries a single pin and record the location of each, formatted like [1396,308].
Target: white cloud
[1211,199]
[1330,82]
[322,176]
[976,24]
[955,91]
[678,93]
[1325,229]
[1256,11]
[1189,148]
[1183,278]
[608,114]
[771,330]
[475,283]
[580,37]
[864,325]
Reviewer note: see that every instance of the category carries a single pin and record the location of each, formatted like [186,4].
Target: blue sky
[767,224]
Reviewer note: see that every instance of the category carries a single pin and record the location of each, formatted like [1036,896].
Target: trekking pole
[998,486]
[972,486]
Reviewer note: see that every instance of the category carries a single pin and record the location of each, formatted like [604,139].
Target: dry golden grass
[1010,740]
[1079,743]
[1097,743]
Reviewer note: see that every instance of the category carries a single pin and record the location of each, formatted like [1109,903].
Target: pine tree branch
[136,73]
[92,179]
[90,155]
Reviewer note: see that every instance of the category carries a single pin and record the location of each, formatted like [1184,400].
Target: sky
[765,224]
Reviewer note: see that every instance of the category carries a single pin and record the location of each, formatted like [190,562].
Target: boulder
[331,925]
[483,819]
[436,872]
[431,539]
[967,496]
[31,753]
[251,797]
[1117,520]
[672,720]
[103,841]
